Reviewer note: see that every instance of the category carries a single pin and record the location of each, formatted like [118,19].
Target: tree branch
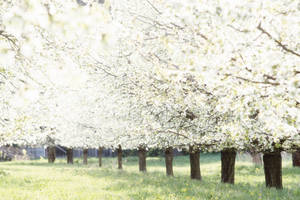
[259,27]
[173,132]
[153,7]
[252,81]
[10,38]
[101,68]
[242,31]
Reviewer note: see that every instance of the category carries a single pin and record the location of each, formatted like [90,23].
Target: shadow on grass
[259,170]
[60,162]
[205,158]
[156,184]
[180,161]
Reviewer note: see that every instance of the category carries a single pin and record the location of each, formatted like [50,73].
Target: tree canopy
[211,73]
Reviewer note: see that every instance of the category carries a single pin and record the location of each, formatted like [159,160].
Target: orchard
[199,75]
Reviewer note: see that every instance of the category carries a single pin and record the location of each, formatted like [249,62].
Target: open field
[38,180]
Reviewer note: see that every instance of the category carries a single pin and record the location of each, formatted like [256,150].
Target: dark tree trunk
[273,169]
[195,163]
[296,158]
[169,161]
[256,158]
[142,159]
[228,164]
[69,155]
[119,151]
[100,150]
[85,156]
[51,154]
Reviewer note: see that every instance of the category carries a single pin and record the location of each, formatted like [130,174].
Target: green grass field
[38,180]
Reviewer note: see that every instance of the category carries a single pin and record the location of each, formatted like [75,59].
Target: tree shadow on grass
[205,158]
[259,170]
[61,162]
[155,184]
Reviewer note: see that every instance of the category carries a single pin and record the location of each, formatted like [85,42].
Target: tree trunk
[119,151]
[169,161]
[296,158]
[256,158]
[85,156]
[69,155]
[100,150]
[142,159]
[51,154]
[195,163]
[273,169]
[228,164]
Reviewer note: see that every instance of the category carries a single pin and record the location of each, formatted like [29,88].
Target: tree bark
[296,158]
[85,156]
[273,169]
[51,150]
[119,152]
[256,158]
[169,161]
[195,163]
[69,155]
[228,164]
[142,159]
[100,150]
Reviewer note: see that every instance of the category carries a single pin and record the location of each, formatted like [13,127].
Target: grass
[38,180]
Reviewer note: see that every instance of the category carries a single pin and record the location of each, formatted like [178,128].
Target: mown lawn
[38,180]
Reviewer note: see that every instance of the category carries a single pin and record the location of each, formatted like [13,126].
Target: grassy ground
[38,180]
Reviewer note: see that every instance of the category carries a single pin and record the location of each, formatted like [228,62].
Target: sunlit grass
[38,180]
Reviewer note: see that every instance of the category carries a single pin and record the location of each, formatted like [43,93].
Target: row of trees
[203,75]
[227,167]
